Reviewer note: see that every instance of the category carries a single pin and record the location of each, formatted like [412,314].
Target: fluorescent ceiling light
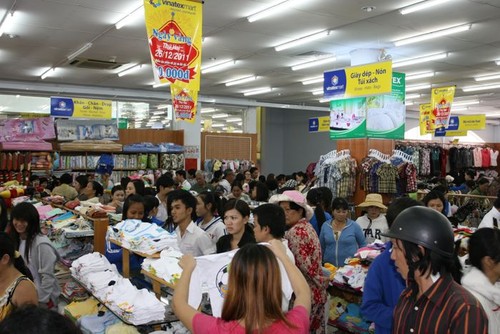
[241,80]
[274,9]
[47,73]
[218,125]
[234,119]
[418,87]
[157,85]
[476,88]
[262,90]
[130,70]
[432,35]
[217,67]
[313,80]
[464,103]
[453,108]
[159,113]
[128,18]
[79,51]
[412,96]
[7,22]
[223,115]
[409,103]
[497,62]
[239,123]
[324,100]
[313,63]
[317,92]
[207,110]
[421,5]
[419,75]
[163,106]
[237,131]
[487,77]
[302,40]
[419,60]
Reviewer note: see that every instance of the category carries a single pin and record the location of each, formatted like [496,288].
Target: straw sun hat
[373,200]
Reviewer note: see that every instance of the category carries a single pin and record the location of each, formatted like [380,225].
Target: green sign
[122,123]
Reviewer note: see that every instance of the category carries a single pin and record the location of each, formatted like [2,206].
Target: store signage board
[319,124]
[80,108]
[459,125]
[426,120]
[381,116]
[441,102]
[357,81]
[174,31]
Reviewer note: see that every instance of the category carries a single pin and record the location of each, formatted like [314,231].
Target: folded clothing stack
[142,237]
[90,263]
[166,267]
[354,276]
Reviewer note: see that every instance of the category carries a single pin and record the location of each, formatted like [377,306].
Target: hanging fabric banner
[174,31]
[441,101]
[426,121]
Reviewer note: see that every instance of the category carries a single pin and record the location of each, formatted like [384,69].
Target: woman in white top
[483,280]
[208,206]
[373,223]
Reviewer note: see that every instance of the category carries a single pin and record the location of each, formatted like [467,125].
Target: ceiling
[44,32]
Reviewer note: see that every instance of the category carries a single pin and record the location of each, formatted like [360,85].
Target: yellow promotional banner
[457,133]
[357,81]
[184,103]
[80,108]
[426,122]
[174,30]
[319,124]
[472,122]
[441,101]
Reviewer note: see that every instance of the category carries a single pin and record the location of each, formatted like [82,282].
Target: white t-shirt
[162,210]
[215,228]
[194,241]
[488,219]
[186,185]
[373,230]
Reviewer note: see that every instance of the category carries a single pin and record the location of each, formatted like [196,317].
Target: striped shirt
[446,307]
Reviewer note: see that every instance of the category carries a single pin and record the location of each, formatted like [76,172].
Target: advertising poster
[319,124]
[386,114]
[356,81]
[79,129]
[425,118]
[174,30]
[441,101]
[80,108]
[458,125]
[348,118]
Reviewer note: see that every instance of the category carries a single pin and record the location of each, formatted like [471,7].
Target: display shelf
[157,282]
[169,314]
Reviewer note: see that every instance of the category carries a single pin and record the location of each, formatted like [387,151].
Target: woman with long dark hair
[253,300]
[37,251]
[240,233]
[15,279]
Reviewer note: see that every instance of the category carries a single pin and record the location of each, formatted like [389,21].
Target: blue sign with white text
[313,124]
[334,83]
[61,107]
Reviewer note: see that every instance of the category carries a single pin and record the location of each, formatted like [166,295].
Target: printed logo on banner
[313,124]
[62,107]
[334,83]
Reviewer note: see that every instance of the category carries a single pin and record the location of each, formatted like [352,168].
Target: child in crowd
[37,252]
[133,208]
[152,203]
[117,198]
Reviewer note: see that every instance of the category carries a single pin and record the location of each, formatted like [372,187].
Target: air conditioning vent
[95,64]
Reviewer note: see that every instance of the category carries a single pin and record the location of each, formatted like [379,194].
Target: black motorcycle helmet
[425,227]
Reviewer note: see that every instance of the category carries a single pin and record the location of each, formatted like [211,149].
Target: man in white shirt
[180,177]
[190,238]
[165,184]
[492,218]
[227,180]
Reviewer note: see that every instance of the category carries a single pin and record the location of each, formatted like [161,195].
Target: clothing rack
[372,153]
[401,155]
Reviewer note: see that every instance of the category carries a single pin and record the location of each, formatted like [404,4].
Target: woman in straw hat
[304,244]
[373,222]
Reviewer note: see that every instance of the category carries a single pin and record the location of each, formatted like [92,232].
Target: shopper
[315,200]
[373,223]
[383,284]
[65,189]
[180,178]
[151,204]
[201,184]
[482,187]
[258,191]
[16,281]
[240,233]
[93,191]
[32,319]
[492,218]
[133,208]
[164,185]
[237,192]
[254,173]
[4,222]
[342,237]
[135,187]
[37,252]
[482,280]
[190,238]
[306,248]
[208,206]
[226,181]
[253,300]
[423,250]
[80,184]
[117,198]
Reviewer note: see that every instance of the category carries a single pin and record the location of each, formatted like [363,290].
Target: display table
[347,324]
[157,282]
[126,257]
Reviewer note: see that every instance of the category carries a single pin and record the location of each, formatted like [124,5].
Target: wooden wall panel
[131,136]
[231,146]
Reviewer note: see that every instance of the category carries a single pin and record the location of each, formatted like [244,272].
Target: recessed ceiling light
[368,9]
